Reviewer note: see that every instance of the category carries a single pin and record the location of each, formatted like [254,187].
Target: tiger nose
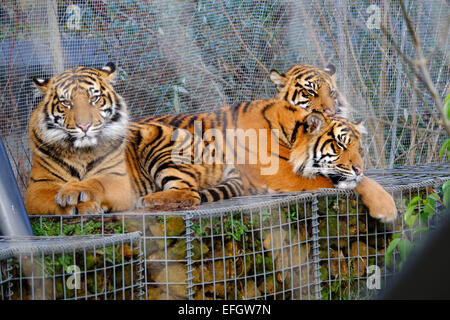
[84,126]
[357,169]
[329,112]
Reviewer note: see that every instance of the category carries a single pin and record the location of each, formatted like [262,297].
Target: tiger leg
[380,203]
[231,186]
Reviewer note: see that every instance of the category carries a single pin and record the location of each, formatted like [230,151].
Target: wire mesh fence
[186,56]
[106,267]
[319,245]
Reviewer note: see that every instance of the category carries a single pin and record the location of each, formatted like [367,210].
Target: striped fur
[311,88]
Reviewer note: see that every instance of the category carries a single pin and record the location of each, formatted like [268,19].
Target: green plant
[235,228]
[423,208]
[445,149]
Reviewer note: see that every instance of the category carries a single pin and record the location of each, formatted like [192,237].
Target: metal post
[13,216]
[315,248]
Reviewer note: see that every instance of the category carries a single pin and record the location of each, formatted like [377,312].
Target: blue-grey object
[13,216]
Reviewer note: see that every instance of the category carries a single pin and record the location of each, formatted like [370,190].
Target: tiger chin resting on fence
[88,159]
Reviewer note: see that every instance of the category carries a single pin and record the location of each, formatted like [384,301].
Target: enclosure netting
[186,56]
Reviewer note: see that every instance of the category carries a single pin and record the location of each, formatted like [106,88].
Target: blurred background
[196,55]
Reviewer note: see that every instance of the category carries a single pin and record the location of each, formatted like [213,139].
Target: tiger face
[311,88]
[330,148]
[81,109]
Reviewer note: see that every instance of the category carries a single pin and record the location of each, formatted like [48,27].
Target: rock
[133,224]
[175,226]
[358,261]
[274,239]
[175,272]
[250,290]
[177,251]
[338,264]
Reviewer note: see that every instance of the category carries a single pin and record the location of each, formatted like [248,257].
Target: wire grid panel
[187,56]
[317,245]
[265,253]
[354,247]
[106,267]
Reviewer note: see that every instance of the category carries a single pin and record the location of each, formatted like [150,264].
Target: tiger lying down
[88,159]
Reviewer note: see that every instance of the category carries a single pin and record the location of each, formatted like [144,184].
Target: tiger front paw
[76,198]
[384,210]
[380,203]
[82,208]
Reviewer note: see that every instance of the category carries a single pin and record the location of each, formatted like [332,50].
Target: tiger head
[311,88]
[80,108]
[328,146]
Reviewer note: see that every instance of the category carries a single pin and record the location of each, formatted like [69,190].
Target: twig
[421,63]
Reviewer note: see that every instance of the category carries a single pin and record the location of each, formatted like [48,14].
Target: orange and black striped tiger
[312,151]
[311,88]
[78,137]
[88,159]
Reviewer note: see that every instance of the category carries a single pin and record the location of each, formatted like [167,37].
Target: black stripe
[203,197]
[214,194]
[109,167]
[40,180]
[167,179]
[51,154]
[225,192]
[294,132]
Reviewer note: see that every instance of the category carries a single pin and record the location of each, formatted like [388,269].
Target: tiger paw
[72,194]
[384,210]
[380,203]
[170,198]
[82,208]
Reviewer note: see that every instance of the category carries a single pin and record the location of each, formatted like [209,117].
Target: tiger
[311,88]
[314,151]
[89,159]
[78,136]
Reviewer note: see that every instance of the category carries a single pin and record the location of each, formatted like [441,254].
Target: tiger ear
[108,71]
[41,84]
[314,123]
[360,127]
[278,79]
[330,69]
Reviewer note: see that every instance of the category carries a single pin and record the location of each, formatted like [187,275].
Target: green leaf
[428,210]
[447,106]
[390,250]
[404,248]
[420,229]
[445,149]
[410,217]
[414,201]
[446,194]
